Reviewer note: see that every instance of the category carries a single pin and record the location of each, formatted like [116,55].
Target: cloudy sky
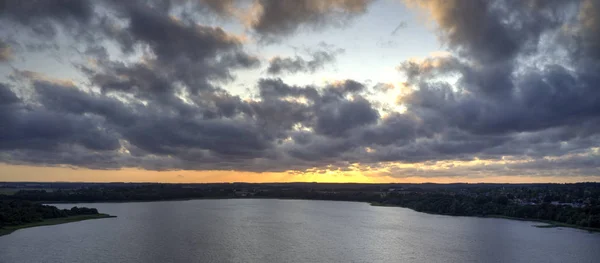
[300,90]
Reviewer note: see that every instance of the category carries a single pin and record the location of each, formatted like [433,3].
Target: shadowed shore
[53,221]
[548,223]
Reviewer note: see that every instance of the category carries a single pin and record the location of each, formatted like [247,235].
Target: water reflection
[292,231]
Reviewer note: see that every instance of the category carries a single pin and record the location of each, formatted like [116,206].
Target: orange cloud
[56,174]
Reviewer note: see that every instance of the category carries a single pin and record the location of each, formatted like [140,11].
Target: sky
[300,90]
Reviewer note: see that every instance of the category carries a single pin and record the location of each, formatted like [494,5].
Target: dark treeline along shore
[17,214]
[572,205]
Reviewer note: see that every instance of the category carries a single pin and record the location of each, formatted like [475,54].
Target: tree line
[18,212]
[462,205]
[534,202]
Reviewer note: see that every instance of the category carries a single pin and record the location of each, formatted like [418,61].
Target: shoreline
[549,223]
[53,221]
[184,199]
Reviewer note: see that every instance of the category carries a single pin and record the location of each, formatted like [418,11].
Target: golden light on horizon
[66,174]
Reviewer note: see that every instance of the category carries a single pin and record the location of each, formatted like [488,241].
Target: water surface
[254,230]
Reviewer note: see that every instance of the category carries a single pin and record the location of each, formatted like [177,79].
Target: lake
[268,230]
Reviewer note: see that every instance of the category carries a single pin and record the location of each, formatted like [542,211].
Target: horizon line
[298,182]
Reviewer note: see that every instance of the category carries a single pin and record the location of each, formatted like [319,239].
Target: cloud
[496,106]
[170,38]
[281,65]
[336,120]
[516,94]
[5,52]
[479,30]
[7,96]
[179,52]
[34,128]
[221,7]
[273,19]
[35,15]
[589,16]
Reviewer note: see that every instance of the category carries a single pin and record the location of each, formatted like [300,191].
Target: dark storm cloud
[518,91]
[172,135]
[271,19]
[490,34]
[276,88]
[139,79]
[531,106]
[5,52]
[430,67]
[318,60]
[589,34]
[71,100]
[7,96]
[490,31]
[211,130]
[185,52]
[321,151]
[337,119]
[30,10]
[276,18]
[170,38]
[279,65]
[326,109]
[221,7]
[29,127]
[38,15]
[68,119]
[174,41]
[497,106]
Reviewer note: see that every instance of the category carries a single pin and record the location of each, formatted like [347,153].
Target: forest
[501,206]
[19,212]
[576,205]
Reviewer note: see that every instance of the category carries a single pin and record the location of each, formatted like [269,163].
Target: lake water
[253,230]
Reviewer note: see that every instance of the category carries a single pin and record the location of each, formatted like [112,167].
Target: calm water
[244,230]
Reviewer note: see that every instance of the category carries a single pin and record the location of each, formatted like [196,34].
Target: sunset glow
[367,91]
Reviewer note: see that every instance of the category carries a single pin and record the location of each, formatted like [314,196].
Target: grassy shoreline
[53,221]
[549,223]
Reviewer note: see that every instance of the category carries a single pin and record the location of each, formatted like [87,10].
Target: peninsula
[18,214]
